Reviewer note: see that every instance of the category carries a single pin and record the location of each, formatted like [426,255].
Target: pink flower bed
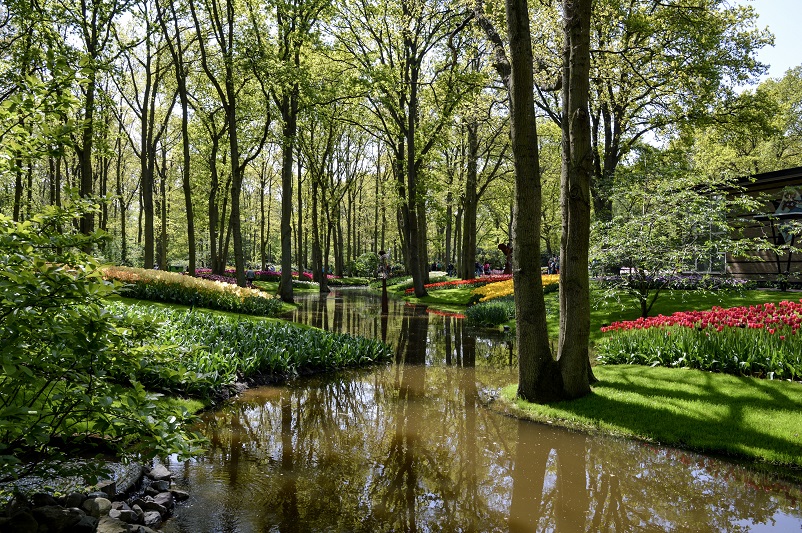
[206,273]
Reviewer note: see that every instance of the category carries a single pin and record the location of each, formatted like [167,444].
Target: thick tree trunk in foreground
[539,378]
[577,169]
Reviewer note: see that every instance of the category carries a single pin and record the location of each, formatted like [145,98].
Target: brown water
[411,447]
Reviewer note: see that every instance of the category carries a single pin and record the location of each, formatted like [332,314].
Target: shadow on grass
[713,413]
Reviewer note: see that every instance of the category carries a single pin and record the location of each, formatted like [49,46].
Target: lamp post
[383,272]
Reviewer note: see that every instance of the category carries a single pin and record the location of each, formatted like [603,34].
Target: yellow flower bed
[505,288]
[142,275]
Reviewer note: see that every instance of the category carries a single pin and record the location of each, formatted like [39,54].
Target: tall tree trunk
[539,377]
[423,240]
[470,201]
[449,220]
[349,224]
[18,190]
[289,114]
[186,184]
[457,239]
[213,213]
[262,236]
[376,205]
[416,254]
[577,169]
[118,178]
[237,171]
[299,250]
[163,244]
[176,48]
[84,151]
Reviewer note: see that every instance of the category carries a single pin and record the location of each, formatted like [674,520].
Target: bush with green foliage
[214,351]
[160,286]
[366,265]
[66,361]
[492,313]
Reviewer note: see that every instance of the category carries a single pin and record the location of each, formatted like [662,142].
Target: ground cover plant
[66,380]
[492,313]
[759,340]
[161,286]
[743,417]
[215,351]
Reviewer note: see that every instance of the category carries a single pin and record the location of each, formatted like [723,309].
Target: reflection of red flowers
[783,317]
[477,282]
[445,313]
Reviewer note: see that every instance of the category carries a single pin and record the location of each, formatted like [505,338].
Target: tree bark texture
[575,200]
[470,201]
[538,373]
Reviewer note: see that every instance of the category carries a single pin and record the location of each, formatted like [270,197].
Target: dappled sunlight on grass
[714,413]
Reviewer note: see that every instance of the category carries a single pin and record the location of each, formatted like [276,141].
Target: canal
[411,446]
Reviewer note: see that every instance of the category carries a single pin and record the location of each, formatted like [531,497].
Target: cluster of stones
[96,512]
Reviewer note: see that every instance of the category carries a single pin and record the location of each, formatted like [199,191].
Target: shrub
[64,378]
[492,313]
[759,341]
[366,265]
[160,286]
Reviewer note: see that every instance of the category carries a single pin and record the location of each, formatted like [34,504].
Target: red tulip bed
[759,340]
[476,282]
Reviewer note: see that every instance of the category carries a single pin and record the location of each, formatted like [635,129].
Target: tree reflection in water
[410,447]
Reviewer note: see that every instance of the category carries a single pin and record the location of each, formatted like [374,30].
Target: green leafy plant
[200,353]
[62,355]
[492,313]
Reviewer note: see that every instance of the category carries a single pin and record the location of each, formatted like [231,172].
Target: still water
[412,447]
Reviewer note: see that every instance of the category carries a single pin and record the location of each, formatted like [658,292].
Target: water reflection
[409,447]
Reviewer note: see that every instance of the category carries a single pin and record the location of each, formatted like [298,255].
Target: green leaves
[200,353]
[64,360]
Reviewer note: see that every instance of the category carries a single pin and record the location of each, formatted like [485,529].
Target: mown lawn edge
[756,420]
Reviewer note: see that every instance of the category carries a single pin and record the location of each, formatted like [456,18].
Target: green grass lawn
[749,418]
[454,300]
